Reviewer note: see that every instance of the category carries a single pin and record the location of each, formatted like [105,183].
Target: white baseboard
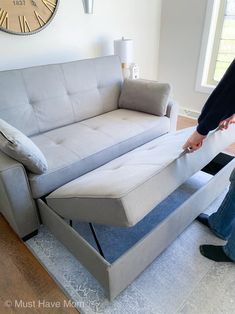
[189,113]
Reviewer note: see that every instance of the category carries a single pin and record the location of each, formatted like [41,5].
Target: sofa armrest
[172,113]
[16,203]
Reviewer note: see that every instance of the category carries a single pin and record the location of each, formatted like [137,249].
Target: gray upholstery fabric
[48,103]
[142,254]
[81,147]
[43,98]
[172,113]
[16,203]
[18,146]
[126,189]
[147,96]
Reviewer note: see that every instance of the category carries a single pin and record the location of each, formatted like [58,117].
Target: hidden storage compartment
[218,163]
[128,251]
[116,241]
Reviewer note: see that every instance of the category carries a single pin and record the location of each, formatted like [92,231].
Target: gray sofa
[70,111]
[107,164]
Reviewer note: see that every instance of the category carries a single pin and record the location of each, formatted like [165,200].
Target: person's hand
[194,142]
[225,123]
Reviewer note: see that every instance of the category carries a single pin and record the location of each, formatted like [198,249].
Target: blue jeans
[222,223]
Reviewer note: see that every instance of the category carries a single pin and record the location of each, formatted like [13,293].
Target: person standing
[218,111]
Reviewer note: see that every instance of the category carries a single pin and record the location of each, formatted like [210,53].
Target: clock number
[39,18]
[50,5]
[4,18]
[19,2]
[24,25]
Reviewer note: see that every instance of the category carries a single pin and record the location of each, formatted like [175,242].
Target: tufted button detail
[32,102]
[95,128]
[117,167]
[59,142]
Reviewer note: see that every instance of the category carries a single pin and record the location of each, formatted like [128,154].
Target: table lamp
[124,49]
[88,6]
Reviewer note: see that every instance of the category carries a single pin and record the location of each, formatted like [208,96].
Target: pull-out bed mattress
[124,190]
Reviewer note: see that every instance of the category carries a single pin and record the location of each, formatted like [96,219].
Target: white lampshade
[124,49]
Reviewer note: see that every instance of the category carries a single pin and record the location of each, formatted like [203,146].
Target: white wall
[182,25]
[74,35]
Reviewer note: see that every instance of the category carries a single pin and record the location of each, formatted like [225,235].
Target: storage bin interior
[115,241]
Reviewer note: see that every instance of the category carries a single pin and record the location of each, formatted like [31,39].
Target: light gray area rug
[180,280]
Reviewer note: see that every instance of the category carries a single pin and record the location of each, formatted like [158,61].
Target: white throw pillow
[18,146]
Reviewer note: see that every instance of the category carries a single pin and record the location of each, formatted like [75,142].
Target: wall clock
[24,17]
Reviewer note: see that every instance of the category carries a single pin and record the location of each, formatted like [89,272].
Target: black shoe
[215,253]
[204,219]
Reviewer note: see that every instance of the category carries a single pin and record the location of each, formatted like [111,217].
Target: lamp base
[125,70]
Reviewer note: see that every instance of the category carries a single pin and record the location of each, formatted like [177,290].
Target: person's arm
[221,103]
[219,108]
[225,123]
[194,142]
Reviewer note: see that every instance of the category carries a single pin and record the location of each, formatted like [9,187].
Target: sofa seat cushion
[74,150]
[126,189]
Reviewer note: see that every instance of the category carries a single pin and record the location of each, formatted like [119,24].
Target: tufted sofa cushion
[38,99]
[126,189]
[81,147]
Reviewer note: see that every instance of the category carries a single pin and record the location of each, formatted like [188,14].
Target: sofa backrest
[43,98]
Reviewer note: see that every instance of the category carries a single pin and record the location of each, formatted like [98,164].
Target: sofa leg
[30,235]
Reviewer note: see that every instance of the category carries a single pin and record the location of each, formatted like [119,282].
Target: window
[218,46]
[224,42]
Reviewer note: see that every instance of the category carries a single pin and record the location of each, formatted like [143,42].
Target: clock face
[26,16]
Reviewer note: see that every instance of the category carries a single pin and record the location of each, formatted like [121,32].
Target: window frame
[213,27]
[216,44]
